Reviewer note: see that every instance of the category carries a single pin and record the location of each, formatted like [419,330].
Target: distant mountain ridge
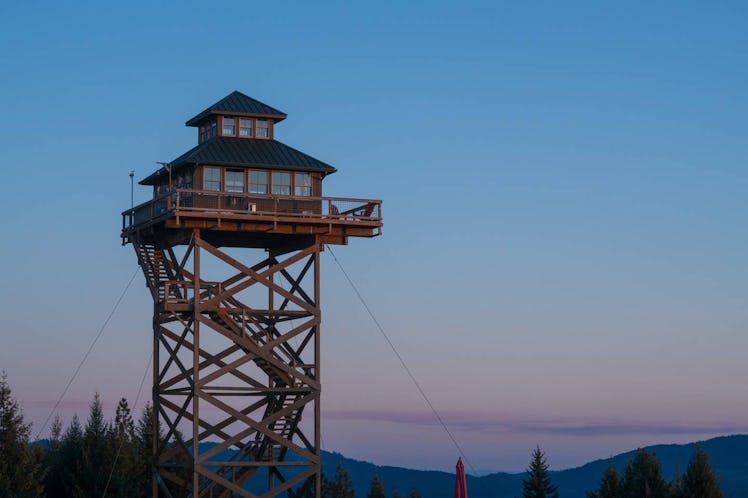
[728,454]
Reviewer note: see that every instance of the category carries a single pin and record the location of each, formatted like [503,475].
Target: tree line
[641,478]
[341,486]
[78,461]
[113,458]
[103,458]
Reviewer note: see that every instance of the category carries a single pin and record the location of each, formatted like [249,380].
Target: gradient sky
[564,184]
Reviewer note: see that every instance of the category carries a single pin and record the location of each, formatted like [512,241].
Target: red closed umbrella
[460,481]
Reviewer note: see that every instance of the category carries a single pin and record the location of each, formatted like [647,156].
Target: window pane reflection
[258,182]
[281,182]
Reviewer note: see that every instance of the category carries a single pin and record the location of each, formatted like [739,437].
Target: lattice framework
[236,365]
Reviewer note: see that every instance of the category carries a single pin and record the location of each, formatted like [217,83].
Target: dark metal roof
[237,102]
[245,152]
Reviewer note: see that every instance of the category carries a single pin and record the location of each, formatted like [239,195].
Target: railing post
[275,214]
[178,205]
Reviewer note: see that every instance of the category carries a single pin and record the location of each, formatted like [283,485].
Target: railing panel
[183,202]
[351,209]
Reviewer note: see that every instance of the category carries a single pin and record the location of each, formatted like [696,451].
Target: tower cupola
[236,115]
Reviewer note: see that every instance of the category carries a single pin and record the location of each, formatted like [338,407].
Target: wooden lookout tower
[236,332]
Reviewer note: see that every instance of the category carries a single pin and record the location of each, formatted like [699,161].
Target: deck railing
[236,205]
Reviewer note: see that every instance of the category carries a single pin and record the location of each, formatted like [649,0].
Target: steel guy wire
[402,361]
[85,356]
[122,443]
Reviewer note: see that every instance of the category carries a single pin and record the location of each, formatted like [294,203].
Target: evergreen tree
[395,493]
[341,485]
[700,480]
[97,454]
[127,463]
[324,486]
[538,484]
[21,474]
[55,431]
[376,490]
[144,436]
[675,486]
[306,490]
[643,477]
[52,459]
[610,484]
[414,492]
[70,462]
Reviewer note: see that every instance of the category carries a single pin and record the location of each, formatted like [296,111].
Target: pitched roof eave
[246,153]
[238,104]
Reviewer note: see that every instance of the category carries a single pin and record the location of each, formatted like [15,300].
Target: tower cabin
[244,188]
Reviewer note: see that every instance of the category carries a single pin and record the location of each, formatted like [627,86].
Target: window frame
[257,181]
[274,185]
[251,127]
[252,184]
[206,181]
[226,186]
[224,126]
[207,130]
[309,187]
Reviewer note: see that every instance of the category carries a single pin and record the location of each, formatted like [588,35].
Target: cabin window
[281,182]
[234,180]
[262,128]
[303,184]
[258,182]
[212,179]
[213,128]
[229,126]
[245,127]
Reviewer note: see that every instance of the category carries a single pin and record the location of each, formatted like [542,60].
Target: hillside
[729,456]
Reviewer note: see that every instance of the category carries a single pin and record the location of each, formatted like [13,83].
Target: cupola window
[207,130]
[245,127]
[229,126]
[262,128]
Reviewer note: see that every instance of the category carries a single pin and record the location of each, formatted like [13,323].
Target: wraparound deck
[334,219]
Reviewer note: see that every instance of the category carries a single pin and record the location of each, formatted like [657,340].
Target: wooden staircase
[262,448]
[155,268]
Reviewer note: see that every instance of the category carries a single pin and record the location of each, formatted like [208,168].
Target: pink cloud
[573,427]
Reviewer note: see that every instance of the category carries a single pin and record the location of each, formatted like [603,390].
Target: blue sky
[563,261]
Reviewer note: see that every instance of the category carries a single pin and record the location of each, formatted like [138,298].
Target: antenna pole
[132,189]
